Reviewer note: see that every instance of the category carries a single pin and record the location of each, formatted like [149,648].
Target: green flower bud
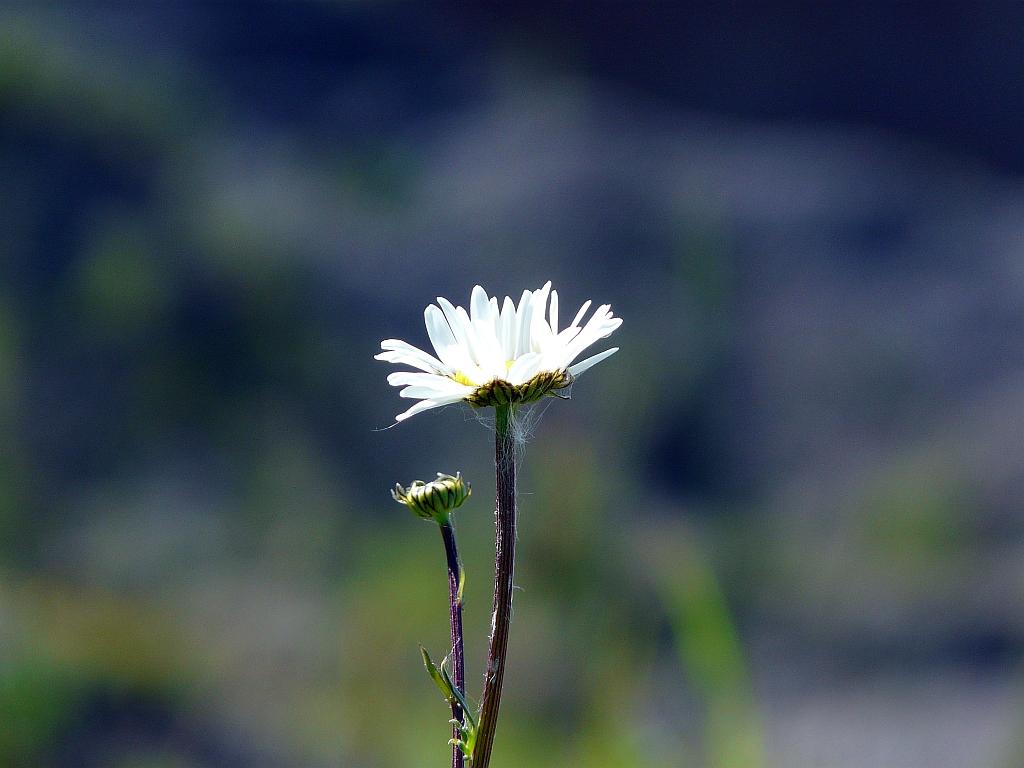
[435,500]
[499,392]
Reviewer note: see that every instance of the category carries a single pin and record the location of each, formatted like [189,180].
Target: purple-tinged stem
[455,613]
[504,566]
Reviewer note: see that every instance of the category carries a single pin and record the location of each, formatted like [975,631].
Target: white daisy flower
[494,356]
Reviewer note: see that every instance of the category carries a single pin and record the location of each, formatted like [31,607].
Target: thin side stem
[504,566]
[455,613]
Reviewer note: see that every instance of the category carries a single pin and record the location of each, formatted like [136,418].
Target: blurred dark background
[780,529]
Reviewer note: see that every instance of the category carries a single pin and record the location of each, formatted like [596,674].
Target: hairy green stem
[504,566]
[455,612]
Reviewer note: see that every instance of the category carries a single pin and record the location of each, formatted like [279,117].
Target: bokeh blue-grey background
[782,528]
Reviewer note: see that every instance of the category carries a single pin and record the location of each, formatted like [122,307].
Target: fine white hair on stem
[523,421]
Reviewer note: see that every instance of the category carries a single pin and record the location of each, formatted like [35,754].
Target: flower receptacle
[499,392]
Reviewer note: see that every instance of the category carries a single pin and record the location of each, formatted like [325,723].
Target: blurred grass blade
[710,651]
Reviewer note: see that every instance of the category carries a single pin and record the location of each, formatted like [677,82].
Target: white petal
[523,301]
[568,334]
[600,326]
[402,378]
[399,352]
[476,349]
[451,314]
[524,368]
[552,359]
[434,393]
[525,315]
[422,405]
[460,354]
[540,300]
[479,306]
[401,358]
[540,331]
[583,365]
[509,329]
[400,346]
[493,354]
[554,312]
[441,336]
[487,350]
[580,314]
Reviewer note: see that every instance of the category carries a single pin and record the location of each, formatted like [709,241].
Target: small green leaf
[457,693]
[443,682]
